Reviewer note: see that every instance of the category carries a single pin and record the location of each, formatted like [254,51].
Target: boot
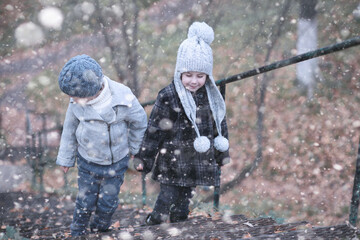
[176,215]
[153,218]
[177,218]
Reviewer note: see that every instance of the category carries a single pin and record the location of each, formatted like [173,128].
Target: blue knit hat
[81,77]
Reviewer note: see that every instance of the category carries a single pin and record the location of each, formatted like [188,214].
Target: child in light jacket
[186,140]
[104,124]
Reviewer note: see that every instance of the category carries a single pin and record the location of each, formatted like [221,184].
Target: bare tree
[122,40]
[260,93]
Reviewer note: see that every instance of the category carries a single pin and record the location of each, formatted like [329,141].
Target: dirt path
[49,217]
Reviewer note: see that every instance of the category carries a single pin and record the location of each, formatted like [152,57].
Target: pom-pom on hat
[195,54]
[81,77]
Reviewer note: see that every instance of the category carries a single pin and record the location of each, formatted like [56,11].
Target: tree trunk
[356,12]
[307,72]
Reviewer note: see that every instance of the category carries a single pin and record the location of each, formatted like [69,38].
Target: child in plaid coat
[186,140]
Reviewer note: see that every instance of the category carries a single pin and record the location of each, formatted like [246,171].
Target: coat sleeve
[223,158]
[155,133]
[68,144]
[137,122]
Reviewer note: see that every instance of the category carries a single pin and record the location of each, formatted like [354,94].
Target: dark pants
[99,187]
[173,201]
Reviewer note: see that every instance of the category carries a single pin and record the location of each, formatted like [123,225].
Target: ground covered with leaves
[34,216]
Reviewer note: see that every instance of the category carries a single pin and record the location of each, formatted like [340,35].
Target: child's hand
[140,167]
[138,164]
[65,169]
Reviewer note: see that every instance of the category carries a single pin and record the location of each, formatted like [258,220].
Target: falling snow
[51,17]
[308,147]
[29,34]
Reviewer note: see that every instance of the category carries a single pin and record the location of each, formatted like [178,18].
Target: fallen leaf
[248,235]
[116,224]
[16,210]
[216,216]
[308,225]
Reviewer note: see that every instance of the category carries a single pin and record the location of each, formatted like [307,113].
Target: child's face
[192,81]
[83,101]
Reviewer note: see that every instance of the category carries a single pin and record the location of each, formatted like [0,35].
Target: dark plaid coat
[168,142]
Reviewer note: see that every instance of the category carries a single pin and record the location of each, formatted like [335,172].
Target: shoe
[177,218]
[79,235]
[95,230]
[153,219]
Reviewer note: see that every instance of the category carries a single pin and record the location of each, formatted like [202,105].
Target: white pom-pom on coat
[202,144]
[221,143]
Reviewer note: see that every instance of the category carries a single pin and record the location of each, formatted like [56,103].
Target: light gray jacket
[84,131]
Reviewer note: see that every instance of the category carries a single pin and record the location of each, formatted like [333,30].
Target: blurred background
[294,131]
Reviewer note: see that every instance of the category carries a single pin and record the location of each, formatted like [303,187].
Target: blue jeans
[173,200]
[99,187]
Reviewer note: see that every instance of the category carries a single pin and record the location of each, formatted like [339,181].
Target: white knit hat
[195,54]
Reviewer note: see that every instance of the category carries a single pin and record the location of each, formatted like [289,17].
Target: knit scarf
[218,109]
[102,103]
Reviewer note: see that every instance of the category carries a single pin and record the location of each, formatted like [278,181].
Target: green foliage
[274,215]
[11,233]
[255,207]
[4,86]
[344,210]
[146,3]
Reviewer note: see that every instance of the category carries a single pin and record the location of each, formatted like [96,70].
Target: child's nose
[193,80]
